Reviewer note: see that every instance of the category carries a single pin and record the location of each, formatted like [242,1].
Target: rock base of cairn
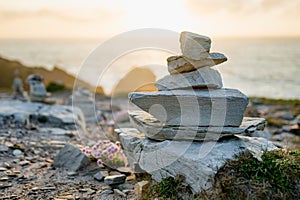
[197,162]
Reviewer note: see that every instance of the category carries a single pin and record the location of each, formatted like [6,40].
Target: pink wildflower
[99,162]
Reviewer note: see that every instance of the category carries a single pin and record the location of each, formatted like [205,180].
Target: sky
[105,18]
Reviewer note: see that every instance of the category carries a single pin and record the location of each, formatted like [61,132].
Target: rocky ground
[27,172]
[28,151]
[283,120]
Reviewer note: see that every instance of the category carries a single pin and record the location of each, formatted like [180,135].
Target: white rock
[193,45]
[181,64]
[154,129]
[201,78]
[17,152]
[221,107]
[115,179]
[198,162]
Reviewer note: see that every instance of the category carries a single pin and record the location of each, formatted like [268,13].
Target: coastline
[56,75]
[256,66]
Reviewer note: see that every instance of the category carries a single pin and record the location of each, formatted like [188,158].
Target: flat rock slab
[115,179]
[52,115]
[193,45]
[154,129]
[72,158]
[198,162]
[214,107]
[182,64]
[201,78]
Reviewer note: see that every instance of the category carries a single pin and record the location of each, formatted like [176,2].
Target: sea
[262,67]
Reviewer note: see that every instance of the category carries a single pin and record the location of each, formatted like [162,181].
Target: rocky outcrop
[8,68]
[198,162]
[45,115]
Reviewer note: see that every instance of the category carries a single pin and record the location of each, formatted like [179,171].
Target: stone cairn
[191,125]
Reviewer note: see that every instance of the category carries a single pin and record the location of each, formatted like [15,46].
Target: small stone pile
[191,126]
[191,98]
[192,69]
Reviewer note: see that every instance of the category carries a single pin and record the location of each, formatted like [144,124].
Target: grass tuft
[277,176]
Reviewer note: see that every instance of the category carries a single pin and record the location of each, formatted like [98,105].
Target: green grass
[263,100]
[277,176]
[276,122]
[169,188]
[279,168]
[42,119]
[55,87]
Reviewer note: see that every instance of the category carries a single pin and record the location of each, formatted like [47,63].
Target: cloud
[65,15]
[201,7]
[246,17]
[241,7]
[59,23]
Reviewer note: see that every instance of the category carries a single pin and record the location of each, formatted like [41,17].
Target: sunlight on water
[258,67]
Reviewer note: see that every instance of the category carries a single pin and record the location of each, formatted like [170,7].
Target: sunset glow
[103,18]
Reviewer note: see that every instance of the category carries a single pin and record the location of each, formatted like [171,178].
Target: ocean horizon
[263,67]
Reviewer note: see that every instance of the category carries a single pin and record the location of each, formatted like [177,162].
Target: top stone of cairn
[194,46]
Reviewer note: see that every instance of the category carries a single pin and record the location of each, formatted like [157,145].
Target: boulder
[154,129]
[201,78]
[71,157]
[182,64]
[194,46]
[221,107]
[197,162]
[58,114]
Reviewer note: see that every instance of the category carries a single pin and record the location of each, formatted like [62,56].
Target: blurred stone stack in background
[179,128]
